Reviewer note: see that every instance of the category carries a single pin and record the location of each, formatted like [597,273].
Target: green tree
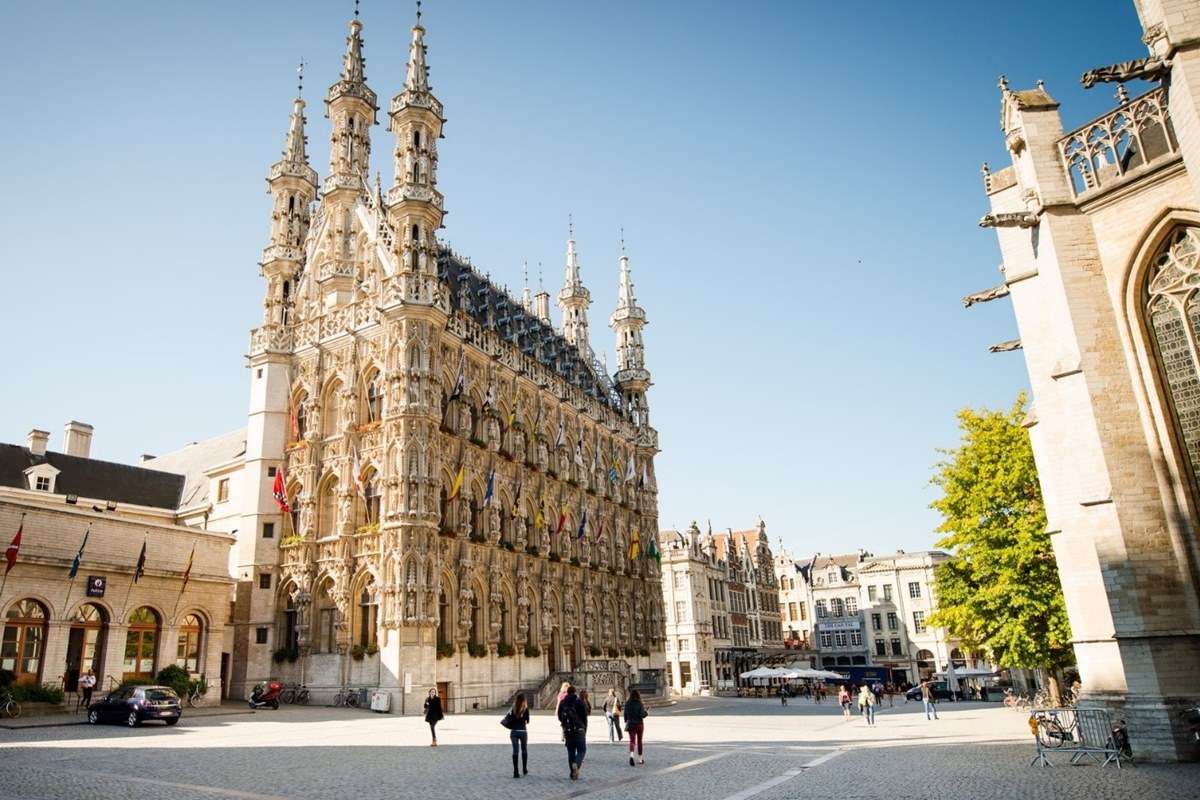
[1001,592]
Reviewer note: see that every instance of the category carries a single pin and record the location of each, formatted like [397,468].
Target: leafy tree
[1001,592]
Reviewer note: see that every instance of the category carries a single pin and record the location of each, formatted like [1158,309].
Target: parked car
[133,705]
[941,691]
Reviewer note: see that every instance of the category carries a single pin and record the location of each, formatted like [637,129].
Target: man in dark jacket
[573,716]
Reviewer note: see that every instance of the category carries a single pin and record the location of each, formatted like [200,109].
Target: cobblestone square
[726,749]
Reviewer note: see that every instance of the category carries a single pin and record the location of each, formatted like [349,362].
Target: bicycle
[288,695]
[346,697]
[195,695]
[1049,731]
[8,706]
[301,697]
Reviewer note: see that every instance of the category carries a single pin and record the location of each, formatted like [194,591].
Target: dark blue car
[134,705]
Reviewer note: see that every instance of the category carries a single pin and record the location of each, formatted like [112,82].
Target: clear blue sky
[798,183]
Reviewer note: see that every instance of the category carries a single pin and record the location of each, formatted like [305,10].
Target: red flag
[187,572]
[280,492]
[562,519]
[10,555]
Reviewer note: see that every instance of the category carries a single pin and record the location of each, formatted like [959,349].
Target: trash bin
[381,701]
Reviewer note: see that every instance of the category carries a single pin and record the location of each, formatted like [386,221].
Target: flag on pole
[612,472]
[516,507]
[561,439]
[140,569]
[456,487]
[279,491]
[644,479]
[582,525]
[652,550]
[489,397]
[490,492]
[635,544]
[540,519]
[562,519]
[630,469]
[599,524]
[187,571]
[11,552]
[579,454]
[79,556]
[512,413]
[293,420]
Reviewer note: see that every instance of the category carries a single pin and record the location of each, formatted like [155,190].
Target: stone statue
[493,523]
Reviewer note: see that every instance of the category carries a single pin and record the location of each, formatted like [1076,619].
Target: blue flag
[582,525]
[79,556]
[491,488]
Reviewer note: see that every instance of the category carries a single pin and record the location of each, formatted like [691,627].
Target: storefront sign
[95,585]
[853,625]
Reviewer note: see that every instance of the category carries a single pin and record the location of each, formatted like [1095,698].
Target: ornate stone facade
[464,481]
[1098,229]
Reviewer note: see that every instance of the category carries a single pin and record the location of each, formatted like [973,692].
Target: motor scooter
[266,694]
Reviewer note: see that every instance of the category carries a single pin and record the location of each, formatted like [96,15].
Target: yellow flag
[635,545]
[456,487]
[540,519]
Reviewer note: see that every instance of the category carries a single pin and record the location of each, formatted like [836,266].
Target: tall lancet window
[1173,316]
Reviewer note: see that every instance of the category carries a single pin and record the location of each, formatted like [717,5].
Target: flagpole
[71,582]
[133,580]
[183,588]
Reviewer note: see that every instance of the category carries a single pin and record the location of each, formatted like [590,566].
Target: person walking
[635,723]
[866,703]
[573,717]
[517,722]
[87,683]
[877,690]
[433,714]
[844,699]
[929,699]
[612,713]
[562,693]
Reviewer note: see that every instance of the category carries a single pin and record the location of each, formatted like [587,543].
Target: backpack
[569,718]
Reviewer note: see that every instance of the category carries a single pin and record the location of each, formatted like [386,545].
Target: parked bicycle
[8,706]
[346,697]
[195,695]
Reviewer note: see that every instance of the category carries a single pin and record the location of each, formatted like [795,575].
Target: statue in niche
[543,456]
[306,518]
[518,446]
[464,419]
[520,527]
[410,594]
[465,598]
[493,523]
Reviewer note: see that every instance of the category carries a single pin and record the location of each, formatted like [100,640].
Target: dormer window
[41,478]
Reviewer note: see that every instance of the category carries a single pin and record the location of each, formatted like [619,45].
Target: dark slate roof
[497,311]
[98,480]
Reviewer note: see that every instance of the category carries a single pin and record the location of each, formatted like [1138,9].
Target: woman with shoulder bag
[517,721]
[635,724]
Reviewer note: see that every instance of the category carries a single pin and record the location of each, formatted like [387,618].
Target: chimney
[38,441]
[541,306]
[77,439]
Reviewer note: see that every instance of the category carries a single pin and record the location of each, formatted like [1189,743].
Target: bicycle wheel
[288,695]
[12,709]
[302,697]
[192,699]
[352,699]
[1052,734]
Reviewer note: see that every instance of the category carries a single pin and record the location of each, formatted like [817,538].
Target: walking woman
[635,723]
[844,699]
[518,733]
[612,713]
[433,714]
[866,703]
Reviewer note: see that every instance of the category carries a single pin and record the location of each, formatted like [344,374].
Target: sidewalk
[57,719]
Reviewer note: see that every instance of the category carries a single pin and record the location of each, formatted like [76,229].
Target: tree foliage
[1001,592]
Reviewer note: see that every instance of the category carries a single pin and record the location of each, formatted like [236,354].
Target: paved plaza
[725,749]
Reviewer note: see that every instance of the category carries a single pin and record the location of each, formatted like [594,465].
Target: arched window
[141,643]
[1173,319]
[925,665]
[187,652]
[477,623]
[86,642]
[24,637]
[331,411]
[416,138]
[837,606]
[445,634]
[367,614]
[327,509]
[325,639]
[957,659]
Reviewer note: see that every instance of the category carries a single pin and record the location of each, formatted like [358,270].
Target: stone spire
[414,205]
[574,299]
[526,297]
[350,106]
[292,184]
[627,321]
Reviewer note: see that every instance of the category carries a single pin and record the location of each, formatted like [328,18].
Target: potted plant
[574,561]
[357,652]
[280,655]
[644,652]
[532,651]
[505,650]
[612,652]
[372,649]
[532,549]
[594,651]
[445,650]
[477,650]
[629,652]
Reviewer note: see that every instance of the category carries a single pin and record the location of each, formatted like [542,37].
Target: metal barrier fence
[1083,732]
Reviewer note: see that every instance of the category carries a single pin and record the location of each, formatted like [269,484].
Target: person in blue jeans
[573,716]
[928,698]
[518,733]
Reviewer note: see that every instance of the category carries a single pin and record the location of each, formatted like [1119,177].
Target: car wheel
[94,717]
[132,720]
[171,721]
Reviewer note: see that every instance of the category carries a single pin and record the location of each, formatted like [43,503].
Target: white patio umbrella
[761,672]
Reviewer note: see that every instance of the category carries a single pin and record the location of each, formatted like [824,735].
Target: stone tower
[574,300]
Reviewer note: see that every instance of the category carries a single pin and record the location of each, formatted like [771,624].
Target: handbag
[507,720]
